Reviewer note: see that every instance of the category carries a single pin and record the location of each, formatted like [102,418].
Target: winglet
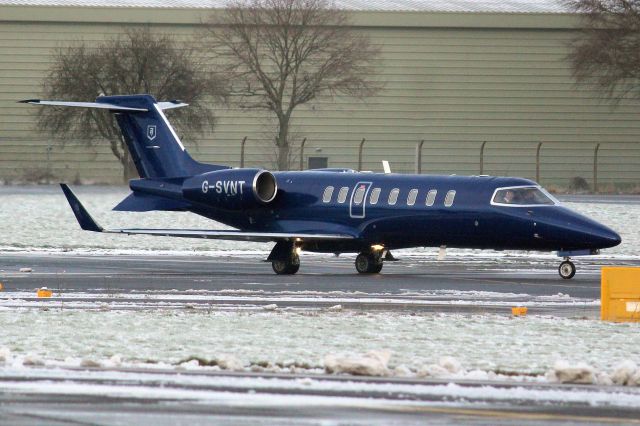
[84,218]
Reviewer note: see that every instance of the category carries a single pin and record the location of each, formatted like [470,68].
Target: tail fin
[154,146]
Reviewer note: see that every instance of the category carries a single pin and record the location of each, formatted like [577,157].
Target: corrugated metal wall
[454,88]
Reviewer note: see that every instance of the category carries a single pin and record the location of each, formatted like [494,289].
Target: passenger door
[358,200]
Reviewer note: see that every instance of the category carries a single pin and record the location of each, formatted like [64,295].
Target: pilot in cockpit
[508,196]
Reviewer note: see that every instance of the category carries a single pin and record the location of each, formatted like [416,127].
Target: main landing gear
[369,263]
[284,258]
[567,269]
[286,267]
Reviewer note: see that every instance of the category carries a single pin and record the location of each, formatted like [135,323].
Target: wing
[89,224]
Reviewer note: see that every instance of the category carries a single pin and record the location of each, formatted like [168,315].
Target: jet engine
[232,189]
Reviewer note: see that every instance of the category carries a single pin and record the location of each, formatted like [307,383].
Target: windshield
[522,196]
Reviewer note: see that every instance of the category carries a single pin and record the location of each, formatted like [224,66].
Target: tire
[363,263]
[367,264]
[286,267]
[567,270]
[293,268]
[280,267]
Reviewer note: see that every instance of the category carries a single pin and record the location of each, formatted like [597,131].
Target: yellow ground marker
[519,311]
[620,294]
[44,292]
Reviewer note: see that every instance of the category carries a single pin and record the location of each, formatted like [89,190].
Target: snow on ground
[468,346]
[39,218]
[248,391]
[471,346]
[101,298]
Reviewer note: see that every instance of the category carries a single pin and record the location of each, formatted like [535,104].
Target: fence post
[418,167]
[595,168]
[482,157]
[242,152]
[49,148]
[302,154]
[360,154]
[538,162]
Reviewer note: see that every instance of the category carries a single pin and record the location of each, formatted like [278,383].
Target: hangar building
[456,74]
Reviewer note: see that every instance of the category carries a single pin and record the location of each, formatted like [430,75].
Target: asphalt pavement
[401,285]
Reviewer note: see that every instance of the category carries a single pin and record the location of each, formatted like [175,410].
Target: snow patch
[564,372]
[446,367]
[373,363]
[626,373]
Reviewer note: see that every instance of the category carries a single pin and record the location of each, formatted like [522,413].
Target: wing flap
[232,235]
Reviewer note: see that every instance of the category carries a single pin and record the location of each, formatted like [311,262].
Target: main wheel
[286,267]
[567,269]
[367,263]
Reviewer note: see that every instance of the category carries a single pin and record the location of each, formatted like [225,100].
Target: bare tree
[138,61]
[607,50]
[281,54]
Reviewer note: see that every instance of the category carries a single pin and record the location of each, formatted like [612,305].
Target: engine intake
[232,189]
[265,186]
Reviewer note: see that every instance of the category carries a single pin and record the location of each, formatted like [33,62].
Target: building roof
[459,6]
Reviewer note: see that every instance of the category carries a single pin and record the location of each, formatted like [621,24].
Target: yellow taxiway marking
[511,414]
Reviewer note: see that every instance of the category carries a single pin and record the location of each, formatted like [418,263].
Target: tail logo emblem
[151,132]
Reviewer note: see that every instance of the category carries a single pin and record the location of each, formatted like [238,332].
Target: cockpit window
[523,196]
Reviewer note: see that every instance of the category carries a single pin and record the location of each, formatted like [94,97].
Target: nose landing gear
[567,269]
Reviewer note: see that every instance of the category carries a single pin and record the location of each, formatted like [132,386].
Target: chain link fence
[596,167]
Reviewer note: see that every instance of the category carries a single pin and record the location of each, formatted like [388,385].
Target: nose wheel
[567,269]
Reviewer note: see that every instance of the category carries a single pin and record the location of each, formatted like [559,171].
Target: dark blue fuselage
[470,221]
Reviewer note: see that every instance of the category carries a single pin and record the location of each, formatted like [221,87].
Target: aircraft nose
[608,238]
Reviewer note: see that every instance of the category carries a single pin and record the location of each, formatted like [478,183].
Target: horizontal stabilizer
[146,203]
[89,224]
[103,105]
[99,105]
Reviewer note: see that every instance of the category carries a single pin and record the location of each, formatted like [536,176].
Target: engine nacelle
[232,189]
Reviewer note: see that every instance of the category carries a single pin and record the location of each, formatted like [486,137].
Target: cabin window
[431,197]
[393,196]
[342,195]
[411,198]
[328,192]
[375,194]
[523,196]
[448,200]
[359,195]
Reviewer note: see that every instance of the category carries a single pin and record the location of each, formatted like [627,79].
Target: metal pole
[360,154]
[482,157]
[595,169]
[538,162]
[302,154]
[49,148]
[419,157]
[242,152]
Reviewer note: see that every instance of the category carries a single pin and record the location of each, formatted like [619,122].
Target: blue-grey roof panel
[468,6]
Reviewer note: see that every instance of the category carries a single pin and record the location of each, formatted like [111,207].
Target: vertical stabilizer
[155,148]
